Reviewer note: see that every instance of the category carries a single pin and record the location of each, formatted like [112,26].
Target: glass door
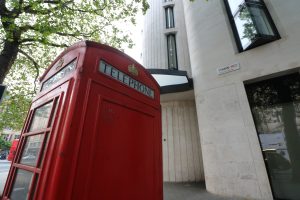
[275,105]
[28,163]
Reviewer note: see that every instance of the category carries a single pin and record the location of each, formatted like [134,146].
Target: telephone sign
[92,132]
[125,79]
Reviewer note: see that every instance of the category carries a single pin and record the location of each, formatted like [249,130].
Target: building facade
[10,135]
[243,57]
[165,29]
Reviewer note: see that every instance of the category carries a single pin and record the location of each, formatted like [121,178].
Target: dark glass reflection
[59,75]
[245,26]
[43,150]
[234,5]
[252,24]
[21,185]
[32,149]
[172,55]
[261,21]
[275,105]
[169,17]
[41,116]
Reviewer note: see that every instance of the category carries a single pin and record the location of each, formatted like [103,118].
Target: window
[40,117]
[32,149]
[21,185]
[172,55]
[28,164]
[251,23]
[169,17]
[59,75]
[275,106]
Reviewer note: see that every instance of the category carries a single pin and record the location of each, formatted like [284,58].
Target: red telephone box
[12,150]
[92,132]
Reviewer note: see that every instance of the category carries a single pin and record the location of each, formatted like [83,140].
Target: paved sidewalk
[190,191]
[4,169]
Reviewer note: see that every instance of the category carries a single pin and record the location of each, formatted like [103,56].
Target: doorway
[275,106]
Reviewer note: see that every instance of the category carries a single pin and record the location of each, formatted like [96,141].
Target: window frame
[264,38]
[37,168]
[64,77]
[167,16]
[175,48]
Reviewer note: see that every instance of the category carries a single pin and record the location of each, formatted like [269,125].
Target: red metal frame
[103,138]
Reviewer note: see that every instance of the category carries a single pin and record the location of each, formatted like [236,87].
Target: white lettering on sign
[227,69]
[125,79]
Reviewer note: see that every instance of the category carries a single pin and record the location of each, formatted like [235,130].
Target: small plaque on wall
[228,69]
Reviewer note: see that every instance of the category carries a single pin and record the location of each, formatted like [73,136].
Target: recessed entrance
[275,106]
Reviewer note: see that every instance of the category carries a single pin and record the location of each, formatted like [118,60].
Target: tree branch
[3,9]
[77,35]
[67,34]
[17,10]
[52,2]
[95,11]
[36,67]
[29,58]
[26,28]
[42,42]
[30,10]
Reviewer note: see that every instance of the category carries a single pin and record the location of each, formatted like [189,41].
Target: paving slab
[190,191]
[4,169]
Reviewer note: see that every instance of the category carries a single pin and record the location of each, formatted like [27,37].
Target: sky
[137,38]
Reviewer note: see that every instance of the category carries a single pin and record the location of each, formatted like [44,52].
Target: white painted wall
[232,158]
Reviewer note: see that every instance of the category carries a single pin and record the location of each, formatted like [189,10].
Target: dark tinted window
[275,105]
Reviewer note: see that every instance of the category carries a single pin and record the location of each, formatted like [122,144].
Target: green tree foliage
[27,24]
[249,29]
[4,145]
[22,84]
[14,108]
[33,31]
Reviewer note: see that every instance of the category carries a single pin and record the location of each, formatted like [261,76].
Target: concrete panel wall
[232,158]
[182,158]
[154,52]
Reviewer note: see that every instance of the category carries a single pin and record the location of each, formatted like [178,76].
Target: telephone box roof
[87,44]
